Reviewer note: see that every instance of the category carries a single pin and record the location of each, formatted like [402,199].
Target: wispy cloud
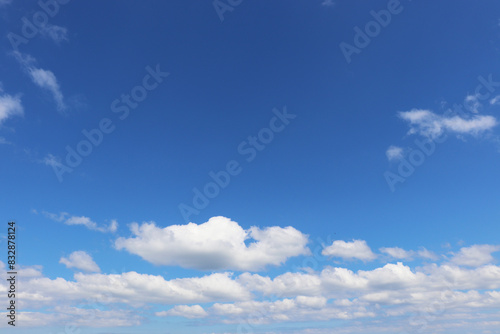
[55,33]
[472,103]
[495,101]
[67,219]
[394,153]
[431,125]
[10,106]
[44,79]
[328,3]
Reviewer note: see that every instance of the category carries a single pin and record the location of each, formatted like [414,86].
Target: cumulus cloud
[394,153]
[10,106]
[356,249]
[218,244]
[44,79]
[428,124]
[67,219]
[393,291]
[475,256]
[80,260]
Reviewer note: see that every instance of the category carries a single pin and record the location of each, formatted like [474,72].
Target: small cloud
[44,79]
[10,106]
[426,254]
[328,3]
[495,101]
[397,253]
[55,33]
[357,249]
[80,220]
[80,260]
[472,103]
[475,256]
[51,160]
[394,153]
[428,124]
[4,141]
[47,80]
[5,2]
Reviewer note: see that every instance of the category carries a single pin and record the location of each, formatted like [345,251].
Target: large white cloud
[356,249]
[218,244]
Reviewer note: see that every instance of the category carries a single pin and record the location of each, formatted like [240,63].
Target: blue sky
[237,167]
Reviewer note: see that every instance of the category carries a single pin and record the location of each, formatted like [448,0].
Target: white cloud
[218,244]
[394,153]
[397,253]
[10,106]
[77,220]
[495,101]
[426,254]
[475,256]
[357,249]
[47,80]
[5,2]
[395,293]
[44,79]
[80,260]
[55,33]
[429,124]
[472,103]
[328,3]
[190,312]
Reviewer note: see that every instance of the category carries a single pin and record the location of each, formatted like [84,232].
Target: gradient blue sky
[320,185]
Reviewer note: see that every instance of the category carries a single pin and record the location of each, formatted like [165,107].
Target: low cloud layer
[332,293]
